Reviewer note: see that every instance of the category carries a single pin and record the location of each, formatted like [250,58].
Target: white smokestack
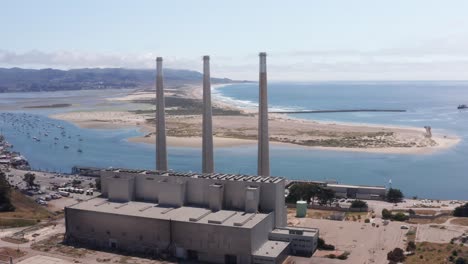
[263,136]
[207,148]
[161,152]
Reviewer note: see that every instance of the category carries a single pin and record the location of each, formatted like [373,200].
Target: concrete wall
[171,193]
[300,245]
[261,232]
[121,189]
[98,229]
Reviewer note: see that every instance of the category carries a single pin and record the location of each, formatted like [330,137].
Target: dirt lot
[349,236]
[462,221]
[439,233]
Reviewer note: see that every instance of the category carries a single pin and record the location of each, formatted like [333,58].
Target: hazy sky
[305,40]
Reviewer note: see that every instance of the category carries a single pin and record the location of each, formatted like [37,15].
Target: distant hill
[27,80]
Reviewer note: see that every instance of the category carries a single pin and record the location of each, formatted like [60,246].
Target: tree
[386,214]
[400,217]
[461,211]
[5,191]
[411,246]
[303,191]
[326,196]
[396,255]
[359,204]
[29,179]
[394,195]
[324,246]
[98,184]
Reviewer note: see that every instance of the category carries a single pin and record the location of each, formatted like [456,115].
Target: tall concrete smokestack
[161,152]
[207,148]
[263,136]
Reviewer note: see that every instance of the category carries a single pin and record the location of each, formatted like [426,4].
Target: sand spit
[235,127]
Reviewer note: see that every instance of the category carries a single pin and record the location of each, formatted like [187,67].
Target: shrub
[324,246]
[359,204]
[367,221]
[343,256]
[411,246]
[400,217]
[396,255]
[386,214]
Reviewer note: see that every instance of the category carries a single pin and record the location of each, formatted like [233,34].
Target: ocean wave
[247,104]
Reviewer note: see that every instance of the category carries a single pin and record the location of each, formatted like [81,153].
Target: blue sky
[305,40]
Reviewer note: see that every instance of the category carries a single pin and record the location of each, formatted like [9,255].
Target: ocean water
[442,175]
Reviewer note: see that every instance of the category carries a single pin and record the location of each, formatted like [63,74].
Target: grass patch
[16,222]
[27,212]
[10,252]
[411,234]
[54,244]
[437,220]
[463,221]
[319,214]
[427,252]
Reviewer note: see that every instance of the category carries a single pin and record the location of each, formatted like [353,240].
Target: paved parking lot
[47,181]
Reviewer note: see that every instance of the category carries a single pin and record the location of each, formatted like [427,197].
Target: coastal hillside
[30,80]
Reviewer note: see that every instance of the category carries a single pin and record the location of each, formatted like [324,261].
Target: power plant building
[207,217]
[217,218]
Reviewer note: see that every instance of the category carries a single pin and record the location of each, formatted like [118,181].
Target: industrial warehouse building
[218,218]
[208,217]
[358,191]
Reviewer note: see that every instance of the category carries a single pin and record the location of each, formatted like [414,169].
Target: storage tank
[301,208]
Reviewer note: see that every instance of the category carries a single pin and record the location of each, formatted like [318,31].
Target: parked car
[64,193]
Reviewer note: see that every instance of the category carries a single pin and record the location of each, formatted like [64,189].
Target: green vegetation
[427,252]
[386,214]
[394,196]
[397,255]
[16,222]
[309,192]
[29,179]
[5,192]
[98,184]
[461,211]
[324,246]
[26,212]
[359,204]
[411,246]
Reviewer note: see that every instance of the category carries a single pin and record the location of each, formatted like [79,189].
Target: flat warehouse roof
[356,186]
[305,231]
[183,214]
[214,176]
[271,249]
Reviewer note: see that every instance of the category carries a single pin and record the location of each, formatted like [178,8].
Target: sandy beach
[235,127]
